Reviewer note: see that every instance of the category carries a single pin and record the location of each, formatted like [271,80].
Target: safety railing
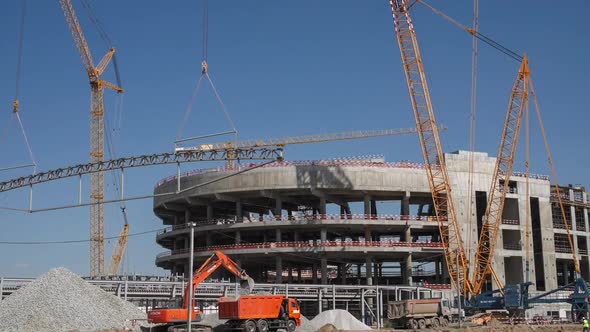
[512,246]
[304,218]
[510,221]
[435,286]
[307,244]
[346,162]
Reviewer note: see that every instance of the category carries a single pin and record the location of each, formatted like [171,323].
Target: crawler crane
[511,297]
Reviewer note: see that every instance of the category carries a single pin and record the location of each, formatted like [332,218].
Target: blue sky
[282,68]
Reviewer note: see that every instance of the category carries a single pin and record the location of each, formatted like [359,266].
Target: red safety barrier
[307,244]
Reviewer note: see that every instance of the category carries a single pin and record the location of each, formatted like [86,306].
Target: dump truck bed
[250,307]
[413,308]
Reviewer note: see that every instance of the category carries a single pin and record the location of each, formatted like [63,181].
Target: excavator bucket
[246,286]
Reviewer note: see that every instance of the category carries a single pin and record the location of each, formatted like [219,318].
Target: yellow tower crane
[304,139]
[97,86]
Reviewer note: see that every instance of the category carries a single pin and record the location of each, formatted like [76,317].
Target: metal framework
[431,147]
[144,160]
[502,171]
[97,86]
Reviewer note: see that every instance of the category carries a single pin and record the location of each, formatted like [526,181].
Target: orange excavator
[175,318]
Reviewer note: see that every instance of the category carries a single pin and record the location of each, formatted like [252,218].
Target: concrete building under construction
[366,221]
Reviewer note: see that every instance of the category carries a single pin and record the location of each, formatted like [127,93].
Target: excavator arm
[212,263]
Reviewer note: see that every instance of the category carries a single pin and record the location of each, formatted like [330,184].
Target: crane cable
[15,103]
[472,122]
[205,73]
[510,53]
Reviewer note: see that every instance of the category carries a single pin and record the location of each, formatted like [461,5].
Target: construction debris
[62,301]
[341,319]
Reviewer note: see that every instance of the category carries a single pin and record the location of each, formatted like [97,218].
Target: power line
[74,241]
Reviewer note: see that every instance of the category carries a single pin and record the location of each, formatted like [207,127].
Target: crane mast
[120,247]
[97,86]
[426,126]
[503,169]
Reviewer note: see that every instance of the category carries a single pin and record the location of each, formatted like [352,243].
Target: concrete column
[187,215]
[278,208]
[295,236]
[342,273]
[324,271]
[290,214]
[314,274]
[278,235]
[279,270]
[290,274]
[239,212]
[369,270]
[342,212]
[407,234]
[368,236]
[445,271]
[407,270]
[373,207]
[264,238]
[437,271]
[358,271]
[299,277]
[209,211]
[405,206]
[238,237]
[323,235]
[367,204]
[322,205]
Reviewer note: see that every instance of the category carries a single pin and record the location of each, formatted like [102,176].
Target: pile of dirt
[214,321]
[341,319]
[62,301]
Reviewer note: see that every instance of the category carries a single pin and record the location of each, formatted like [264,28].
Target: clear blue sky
[282,68]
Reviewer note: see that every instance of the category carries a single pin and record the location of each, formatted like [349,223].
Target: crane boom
[431,147]
[120,247]
[282,141]
[96,135]
[503,169]
[212,263]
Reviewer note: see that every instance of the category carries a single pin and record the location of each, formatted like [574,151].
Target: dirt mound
[341,319]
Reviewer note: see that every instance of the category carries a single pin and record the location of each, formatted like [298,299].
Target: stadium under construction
[366,221]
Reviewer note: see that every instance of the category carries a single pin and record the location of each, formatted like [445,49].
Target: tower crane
[305,139]
[427,129]
[97,86]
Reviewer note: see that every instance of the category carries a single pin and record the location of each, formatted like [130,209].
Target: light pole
[189,295]
[458,290]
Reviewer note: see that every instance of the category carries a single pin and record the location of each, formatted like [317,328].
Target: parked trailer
[260,313]
[419,314]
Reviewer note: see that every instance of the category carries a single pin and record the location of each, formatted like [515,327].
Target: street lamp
[190,308]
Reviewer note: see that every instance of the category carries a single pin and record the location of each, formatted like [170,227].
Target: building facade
[365,221]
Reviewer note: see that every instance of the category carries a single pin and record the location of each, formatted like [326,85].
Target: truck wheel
[421,324]
[291,326]
[444,322]
[413,324]
[262,325]
[249,326]
[435,323]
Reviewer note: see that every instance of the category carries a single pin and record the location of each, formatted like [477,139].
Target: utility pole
[190,306]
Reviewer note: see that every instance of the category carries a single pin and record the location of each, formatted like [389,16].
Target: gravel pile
[62,301]
[306,325]
[341,319]
[214,321]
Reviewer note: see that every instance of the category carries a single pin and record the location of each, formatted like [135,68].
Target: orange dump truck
[260,313]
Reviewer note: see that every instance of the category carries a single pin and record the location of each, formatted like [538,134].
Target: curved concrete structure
[355,220]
